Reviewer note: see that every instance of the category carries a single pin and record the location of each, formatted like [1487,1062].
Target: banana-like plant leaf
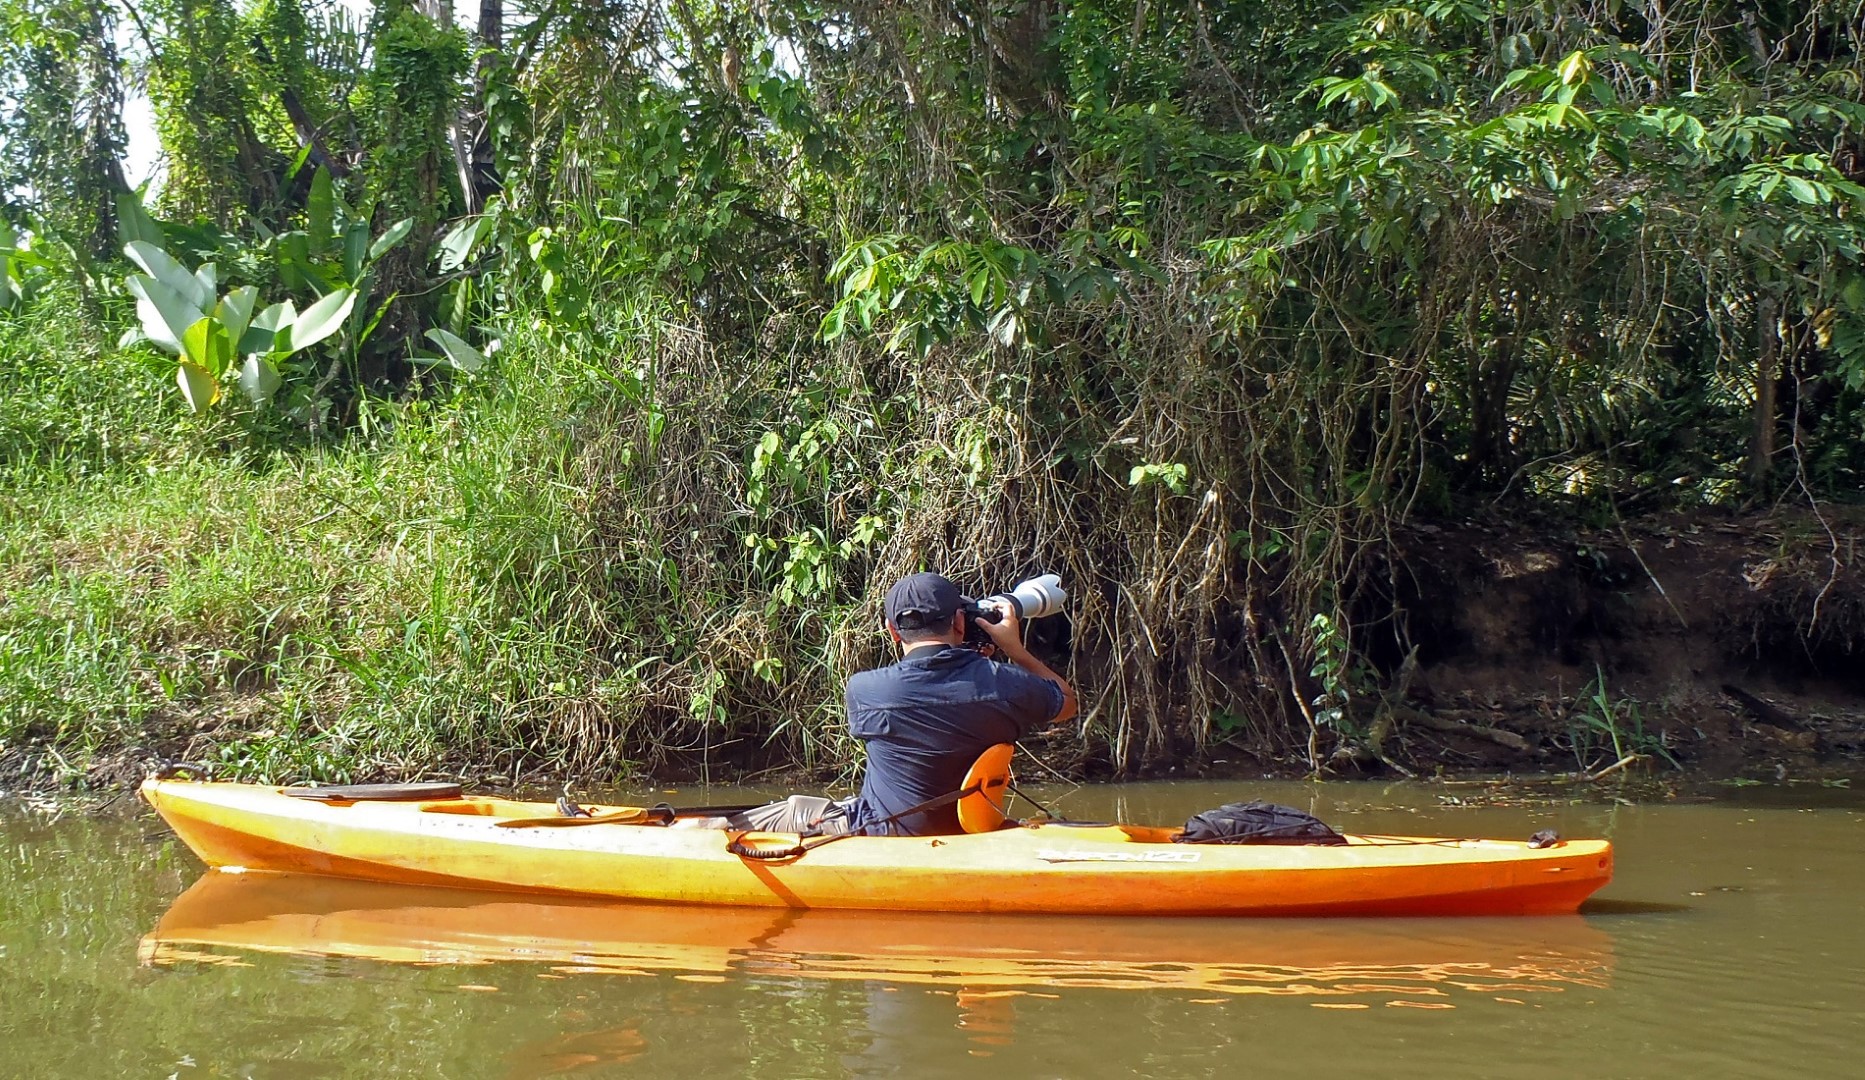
[276,317]
[164,314]
[396,234]
[320,211]
[294,259]
[460,355]
[262,333]
[315,323]
[207,276]
[259,380]
[208,348]
[236,311]
[458,245]
[134,223]
[355,247]
[257,340]
[157,264]
[199,388]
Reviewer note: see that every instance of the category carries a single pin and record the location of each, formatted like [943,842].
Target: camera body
[1032,598]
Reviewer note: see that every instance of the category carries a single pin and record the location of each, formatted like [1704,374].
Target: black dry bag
[1257,823]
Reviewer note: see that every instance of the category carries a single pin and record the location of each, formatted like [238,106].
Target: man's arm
[1007,635]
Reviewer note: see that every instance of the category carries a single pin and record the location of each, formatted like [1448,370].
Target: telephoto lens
[1033,598]
[1038,597]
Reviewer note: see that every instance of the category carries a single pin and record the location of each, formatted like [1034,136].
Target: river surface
[1731,944]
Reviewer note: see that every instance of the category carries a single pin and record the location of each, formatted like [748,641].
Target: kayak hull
[1045,868]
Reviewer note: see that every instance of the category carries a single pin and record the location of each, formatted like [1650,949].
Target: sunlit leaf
[316,322]
[164,314]
[206,346]
[157,264]
[456,249]
[199,388]
[259,380]
[459,354]
[396,234]
[235,311]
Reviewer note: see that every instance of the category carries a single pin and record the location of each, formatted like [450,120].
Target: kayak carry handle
[738,847]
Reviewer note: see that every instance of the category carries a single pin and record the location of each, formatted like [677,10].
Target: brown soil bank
[1716,643]
[1719,643]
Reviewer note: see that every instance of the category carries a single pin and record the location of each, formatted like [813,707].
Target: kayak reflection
[224,914]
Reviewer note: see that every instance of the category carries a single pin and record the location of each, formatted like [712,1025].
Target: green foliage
[1601,722]
[1193,302]
[61,126]
[411,89]
[219,338]
[203,83]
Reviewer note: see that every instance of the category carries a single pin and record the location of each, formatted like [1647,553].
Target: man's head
[925,607]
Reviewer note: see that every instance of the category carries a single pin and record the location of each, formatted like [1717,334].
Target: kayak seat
[987,788]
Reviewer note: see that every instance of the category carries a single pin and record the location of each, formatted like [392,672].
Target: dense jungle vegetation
[560,383]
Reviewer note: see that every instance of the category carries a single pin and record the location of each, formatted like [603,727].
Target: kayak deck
[1051,868]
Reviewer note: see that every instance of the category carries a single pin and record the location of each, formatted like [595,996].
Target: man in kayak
[926,718]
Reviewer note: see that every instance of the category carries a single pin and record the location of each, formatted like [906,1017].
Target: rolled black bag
[1257,823]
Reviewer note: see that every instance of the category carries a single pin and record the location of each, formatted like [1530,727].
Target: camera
[1032,598]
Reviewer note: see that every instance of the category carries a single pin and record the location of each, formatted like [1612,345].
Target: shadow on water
[1630,907]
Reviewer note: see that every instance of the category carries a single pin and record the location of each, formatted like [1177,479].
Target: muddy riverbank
[1715,645]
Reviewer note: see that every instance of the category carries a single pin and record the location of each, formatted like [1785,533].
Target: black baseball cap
[918,601]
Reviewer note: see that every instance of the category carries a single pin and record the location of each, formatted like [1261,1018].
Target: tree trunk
[1767,380]
[483,165]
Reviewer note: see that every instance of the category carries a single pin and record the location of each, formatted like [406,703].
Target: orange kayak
[1030,868]
[223,914]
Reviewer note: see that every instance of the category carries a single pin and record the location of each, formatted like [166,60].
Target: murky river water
[1732,944]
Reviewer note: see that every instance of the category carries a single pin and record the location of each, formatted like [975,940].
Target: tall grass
[394,603]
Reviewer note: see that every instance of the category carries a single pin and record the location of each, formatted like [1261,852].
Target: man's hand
[1007,632]
[1007,635]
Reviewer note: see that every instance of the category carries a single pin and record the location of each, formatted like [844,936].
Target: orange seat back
[983,809]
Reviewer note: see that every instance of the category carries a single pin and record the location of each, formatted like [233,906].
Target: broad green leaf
[207,347]
[294,259]
[257,340]
[355,246]
[236,311]
[459,353]
[157,264]
[207,276]
[320,211]
[1575,68]
[197,386]
[396,234]
[456,249]
[134,223]
[259,380]
[316,322]
[1802,191]
[165,315]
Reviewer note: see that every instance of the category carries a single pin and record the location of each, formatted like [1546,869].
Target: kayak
[1032,867]
[293,915]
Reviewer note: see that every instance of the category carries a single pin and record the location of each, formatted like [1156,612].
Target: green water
[1730,945]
